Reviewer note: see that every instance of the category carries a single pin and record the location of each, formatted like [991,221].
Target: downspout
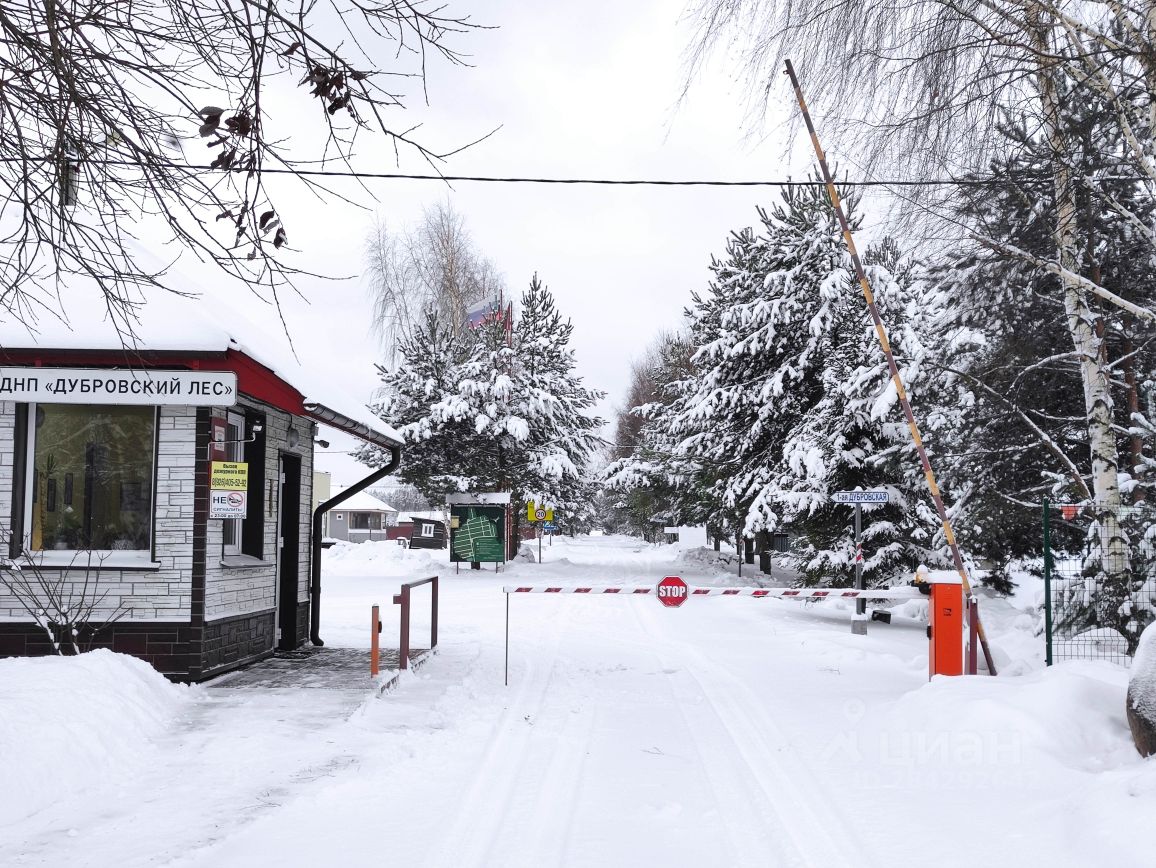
[318,516]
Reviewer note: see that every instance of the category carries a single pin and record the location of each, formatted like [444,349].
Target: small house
[362,518]
[424,530]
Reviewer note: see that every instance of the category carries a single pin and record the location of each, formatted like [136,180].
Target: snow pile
[67,723]
[385,556]
[1068,715]
[1143,675]
[702,556]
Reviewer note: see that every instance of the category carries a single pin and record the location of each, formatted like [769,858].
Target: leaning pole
[881,333]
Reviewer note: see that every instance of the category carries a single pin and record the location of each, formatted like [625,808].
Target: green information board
[478,533]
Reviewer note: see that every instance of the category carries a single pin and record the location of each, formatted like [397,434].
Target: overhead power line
[622,182]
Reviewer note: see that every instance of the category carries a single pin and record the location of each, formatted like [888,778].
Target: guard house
[167,483]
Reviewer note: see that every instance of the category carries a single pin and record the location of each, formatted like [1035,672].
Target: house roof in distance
[428,514]
[363,501]
[193,320]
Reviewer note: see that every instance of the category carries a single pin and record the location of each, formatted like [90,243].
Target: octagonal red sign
[672,592]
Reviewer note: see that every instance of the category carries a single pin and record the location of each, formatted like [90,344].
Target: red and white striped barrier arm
[902,593]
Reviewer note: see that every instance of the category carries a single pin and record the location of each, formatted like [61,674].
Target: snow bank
[1070,714]
[379,556]
[69,722]
[701,556]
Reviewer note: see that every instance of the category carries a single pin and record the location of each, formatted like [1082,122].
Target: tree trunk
[1114,567]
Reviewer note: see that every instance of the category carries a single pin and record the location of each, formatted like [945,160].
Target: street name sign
[859,497]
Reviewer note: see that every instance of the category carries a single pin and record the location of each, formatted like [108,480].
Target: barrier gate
[951,629]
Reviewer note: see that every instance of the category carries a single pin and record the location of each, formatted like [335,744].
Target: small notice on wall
[229,476]
[228,489]
[228,504]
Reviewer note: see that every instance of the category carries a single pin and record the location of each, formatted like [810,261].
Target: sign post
[543,518]
[858,498]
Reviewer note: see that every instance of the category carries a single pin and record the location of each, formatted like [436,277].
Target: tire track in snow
[481,812]
[557,793]
[816,838]
[746,809]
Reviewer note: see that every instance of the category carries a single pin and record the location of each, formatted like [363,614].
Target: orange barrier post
[945,630]
[374,643]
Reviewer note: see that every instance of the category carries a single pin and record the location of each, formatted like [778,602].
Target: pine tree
[497,408]
[646,483]
[852,437]
[552,463]
[782,402]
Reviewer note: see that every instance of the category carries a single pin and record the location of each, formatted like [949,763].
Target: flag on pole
[478,313]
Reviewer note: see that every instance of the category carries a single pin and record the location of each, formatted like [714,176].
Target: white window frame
[234,451]
[427,525]
[103,558]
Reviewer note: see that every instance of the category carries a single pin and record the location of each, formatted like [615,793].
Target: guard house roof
[193,329]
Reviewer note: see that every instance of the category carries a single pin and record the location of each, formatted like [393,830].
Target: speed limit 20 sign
[672,592]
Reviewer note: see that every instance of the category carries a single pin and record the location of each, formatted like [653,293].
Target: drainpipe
[318,516]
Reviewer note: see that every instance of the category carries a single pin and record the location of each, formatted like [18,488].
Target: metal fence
[1099,580]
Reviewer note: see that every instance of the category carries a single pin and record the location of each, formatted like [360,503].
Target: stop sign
[672,592]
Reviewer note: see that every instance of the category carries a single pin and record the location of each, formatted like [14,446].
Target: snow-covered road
[730,731]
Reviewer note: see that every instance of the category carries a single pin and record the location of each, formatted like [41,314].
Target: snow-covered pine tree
[786,395]
[552,464]
[723,423]
[439,446]
[493,408]
[646,483]
[853,437]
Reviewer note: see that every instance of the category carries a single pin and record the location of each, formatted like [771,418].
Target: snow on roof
[431,514]
[194,318]
[363,501]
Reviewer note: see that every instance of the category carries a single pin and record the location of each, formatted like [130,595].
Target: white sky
[583,89]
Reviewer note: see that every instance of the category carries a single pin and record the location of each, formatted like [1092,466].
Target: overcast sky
[579,89]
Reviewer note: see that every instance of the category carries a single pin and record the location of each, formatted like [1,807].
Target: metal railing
[403,599]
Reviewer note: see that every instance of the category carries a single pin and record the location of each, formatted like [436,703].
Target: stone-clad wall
[161,592]
[243,586]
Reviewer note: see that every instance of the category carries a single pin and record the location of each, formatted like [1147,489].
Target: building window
[245,441]
[337,516]
[427,530]
[234,451]
[364,521]
[91,485]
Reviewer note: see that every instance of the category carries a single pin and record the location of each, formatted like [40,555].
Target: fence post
[433,625]
[1047,582]
[374,642]
[403,653]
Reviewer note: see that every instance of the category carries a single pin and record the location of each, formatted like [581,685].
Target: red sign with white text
[672,592]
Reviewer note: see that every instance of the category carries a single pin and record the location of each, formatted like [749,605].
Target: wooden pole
[881,333]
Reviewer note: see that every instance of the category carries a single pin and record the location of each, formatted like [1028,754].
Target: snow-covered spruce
[492,409]
[789,398]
